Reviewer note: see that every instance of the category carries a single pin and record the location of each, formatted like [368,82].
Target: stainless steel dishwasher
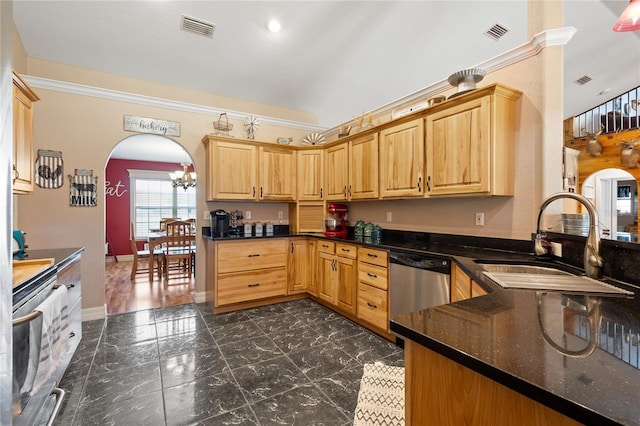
[417,282]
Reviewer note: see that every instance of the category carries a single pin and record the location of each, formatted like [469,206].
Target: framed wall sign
[151,125]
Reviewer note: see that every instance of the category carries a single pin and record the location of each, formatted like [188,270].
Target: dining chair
[165,220]
[178,252]
[156,257]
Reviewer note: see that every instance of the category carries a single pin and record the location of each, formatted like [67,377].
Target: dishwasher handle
[431,263]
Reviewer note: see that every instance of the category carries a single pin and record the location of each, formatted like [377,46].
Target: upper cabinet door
[231,171]
[23,161]
[277,167]
[336,173]
[402,160]
[310,175]
[363,168]
[458,149]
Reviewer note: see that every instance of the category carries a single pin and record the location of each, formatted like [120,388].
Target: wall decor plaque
[49,169]
[151,125]
[83,188]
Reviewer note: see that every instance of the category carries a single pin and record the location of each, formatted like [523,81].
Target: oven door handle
[59,393]
[30,317]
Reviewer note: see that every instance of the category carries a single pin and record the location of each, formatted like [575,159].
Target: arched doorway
[139,193]
[614,193]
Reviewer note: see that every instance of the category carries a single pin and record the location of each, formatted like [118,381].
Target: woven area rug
[381,396]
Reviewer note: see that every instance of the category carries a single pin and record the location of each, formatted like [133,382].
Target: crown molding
[116,95]
[540,41]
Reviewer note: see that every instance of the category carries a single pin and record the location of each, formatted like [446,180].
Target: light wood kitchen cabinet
[310,175]
[337,274]
[373,285]
[300,266]
[312,266]
[336,163]
[402,160]
[462,286]
[250,270]
[470,144]
[23,159]
[277,173]
[231,170]
[363,168]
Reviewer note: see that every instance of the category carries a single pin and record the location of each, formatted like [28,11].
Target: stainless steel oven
[417,281]
[36,400]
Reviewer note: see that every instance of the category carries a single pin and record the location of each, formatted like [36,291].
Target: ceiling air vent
[497,31]
[583,80]
[197,26]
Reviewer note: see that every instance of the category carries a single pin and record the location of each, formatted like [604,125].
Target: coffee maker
[219,223]
[336,222]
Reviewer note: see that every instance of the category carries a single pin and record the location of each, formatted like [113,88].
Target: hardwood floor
[122,294]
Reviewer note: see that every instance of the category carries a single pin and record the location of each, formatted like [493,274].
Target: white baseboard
[96,313]
[199,297]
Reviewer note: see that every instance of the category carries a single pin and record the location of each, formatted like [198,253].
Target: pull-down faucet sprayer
[592,260]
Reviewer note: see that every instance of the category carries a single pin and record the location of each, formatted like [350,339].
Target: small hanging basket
[222,125]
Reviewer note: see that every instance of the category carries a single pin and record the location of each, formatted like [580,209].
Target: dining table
[155,239]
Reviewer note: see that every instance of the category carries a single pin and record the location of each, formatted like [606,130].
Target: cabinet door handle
[72,334]
[254,191]
[429,183]
[321,193]
[346,250]
[349,190]
[325,246]
[419,183]
[291,247]
[372,275]
[371,305]
[16,174]
[254,255]
[253,285]
[260,192]
[344,191]
[372,255]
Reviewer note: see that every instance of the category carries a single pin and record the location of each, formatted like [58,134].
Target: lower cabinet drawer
[235,256]
[373,275]
[373,306]
[245,286]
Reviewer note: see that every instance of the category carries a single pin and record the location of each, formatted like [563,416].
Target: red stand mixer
[336,222]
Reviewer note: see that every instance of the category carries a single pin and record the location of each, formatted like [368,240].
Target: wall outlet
[479,219]
[205,215]
[247,214]
[389,216]
[556,249]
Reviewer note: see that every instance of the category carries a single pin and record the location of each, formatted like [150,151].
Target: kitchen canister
[258,228]
[268,229]
[376,234]
[368,230]
[358,229]
[247,232]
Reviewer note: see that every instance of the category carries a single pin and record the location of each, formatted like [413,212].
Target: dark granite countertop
[500,335]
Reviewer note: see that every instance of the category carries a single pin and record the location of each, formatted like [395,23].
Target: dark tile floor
[294,363]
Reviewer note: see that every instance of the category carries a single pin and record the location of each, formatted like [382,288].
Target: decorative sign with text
[151,125]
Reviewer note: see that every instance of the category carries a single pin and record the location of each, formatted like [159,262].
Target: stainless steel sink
[522,269]
[542,278]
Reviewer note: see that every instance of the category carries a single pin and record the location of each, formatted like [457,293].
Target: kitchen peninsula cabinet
[373,286]
[310,175]
[462,286]
[23,160]
[469,144]
[402,160]
[337,274]
[249,270]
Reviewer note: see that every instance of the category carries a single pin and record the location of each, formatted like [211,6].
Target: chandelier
[183,178]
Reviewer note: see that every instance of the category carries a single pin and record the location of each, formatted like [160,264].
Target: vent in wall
[197,26]
[583,80]
[497,31]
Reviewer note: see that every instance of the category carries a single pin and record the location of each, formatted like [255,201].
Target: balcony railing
[619,113]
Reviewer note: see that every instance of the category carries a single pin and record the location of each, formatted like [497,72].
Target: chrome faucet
[592,260]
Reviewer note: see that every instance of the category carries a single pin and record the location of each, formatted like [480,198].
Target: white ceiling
[336,59]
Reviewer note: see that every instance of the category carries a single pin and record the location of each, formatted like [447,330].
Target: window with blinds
[153,197]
